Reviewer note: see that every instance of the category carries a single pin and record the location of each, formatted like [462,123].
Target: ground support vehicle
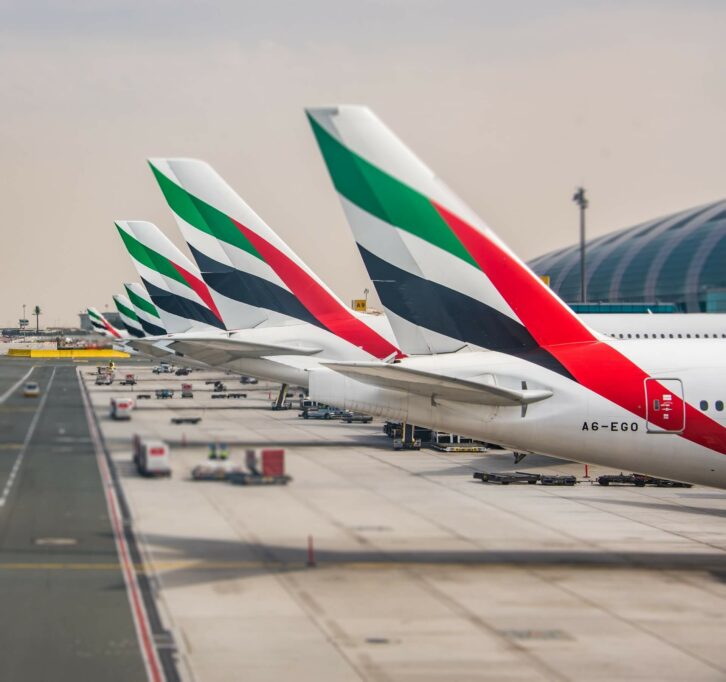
[31,390]
[350,417]
[164,393]
[151,457]
[321,413]
[121,408]
[129,380]
[264,468]
[186,420]
[640,481]
[186,391]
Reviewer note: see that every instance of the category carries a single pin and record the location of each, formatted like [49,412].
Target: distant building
[679,259]
[114,318]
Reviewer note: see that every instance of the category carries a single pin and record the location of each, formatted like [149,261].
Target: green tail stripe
[201,215]
[96,317]
[126,311]
[376,192]
[141,303]
[151,259]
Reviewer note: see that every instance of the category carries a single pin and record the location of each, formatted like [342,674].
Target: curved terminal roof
[675,259]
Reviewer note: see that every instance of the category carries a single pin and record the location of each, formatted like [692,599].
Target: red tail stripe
[110,328]
[324,307]
[545,317]
[594,364]
[199,287]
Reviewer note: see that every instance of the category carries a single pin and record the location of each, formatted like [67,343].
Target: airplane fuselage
[577,422]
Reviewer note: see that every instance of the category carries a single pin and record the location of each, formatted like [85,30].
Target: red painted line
[140,617]
[329,311]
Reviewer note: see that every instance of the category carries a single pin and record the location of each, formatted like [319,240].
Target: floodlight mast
[581,200]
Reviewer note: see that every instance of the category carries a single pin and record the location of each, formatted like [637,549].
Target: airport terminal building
[679,259]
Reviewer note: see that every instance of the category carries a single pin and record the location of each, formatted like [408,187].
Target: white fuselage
[575,423]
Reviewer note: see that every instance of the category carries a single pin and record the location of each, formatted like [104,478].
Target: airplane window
[670,336]
[630,336]
[621,336]
[680,336]
[662,336]
[719,405]
[645,336]
[704,405]
[697,336]
[688,336]
[637,336]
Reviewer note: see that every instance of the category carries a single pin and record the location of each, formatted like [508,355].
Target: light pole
[581,200]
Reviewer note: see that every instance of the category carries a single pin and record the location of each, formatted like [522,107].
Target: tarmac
[417,571]
[420,572]
[64,603]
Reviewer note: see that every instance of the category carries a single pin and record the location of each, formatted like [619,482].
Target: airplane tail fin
[444,277]
[128,316]
[244,260]
[174,284]
[145,310]
[102,326]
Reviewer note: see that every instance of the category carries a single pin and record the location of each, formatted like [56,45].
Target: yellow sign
[359,304]
[545,279]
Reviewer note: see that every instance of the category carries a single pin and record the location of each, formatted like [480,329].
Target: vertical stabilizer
[244,260]
[174,284]
[128,316]
[444,278]
[145,310]
[102,326]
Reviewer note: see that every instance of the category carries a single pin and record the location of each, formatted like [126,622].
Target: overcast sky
[513,104]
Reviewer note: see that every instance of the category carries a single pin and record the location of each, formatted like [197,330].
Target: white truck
[152,457]
[121,408]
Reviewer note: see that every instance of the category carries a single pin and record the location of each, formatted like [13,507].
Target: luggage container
[121,408]
[266,467]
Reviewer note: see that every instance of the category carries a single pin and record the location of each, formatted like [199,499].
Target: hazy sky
[512,103]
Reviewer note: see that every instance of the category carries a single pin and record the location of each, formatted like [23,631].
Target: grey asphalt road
[64,605]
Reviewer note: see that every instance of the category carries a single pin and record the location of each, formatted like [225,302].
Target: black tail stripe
[151,329]
[433,306]
[251,289]
[181,306]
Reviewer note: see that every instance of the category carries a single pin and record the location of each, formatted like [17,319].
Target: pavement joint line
[28,436]
[15,386]
[149,654]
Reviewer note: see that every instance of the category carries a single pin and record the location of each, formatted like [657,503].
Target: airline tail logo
[243,259]
[145,310]
[167,275]
[128,316]
[102,325]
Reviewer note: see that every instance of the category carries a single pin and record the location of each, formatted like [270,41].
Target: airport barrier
[67,353]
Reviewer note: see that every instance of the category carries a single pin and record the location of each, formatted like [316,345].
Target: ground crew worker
[212,451]
[223,451]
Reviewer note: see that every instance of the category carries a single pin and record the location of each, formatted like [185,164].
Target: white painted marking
[56,541]
[31,430]
[15,386]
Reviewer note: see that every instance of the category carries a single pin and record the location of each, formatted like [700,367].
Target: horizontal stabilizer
[434,385]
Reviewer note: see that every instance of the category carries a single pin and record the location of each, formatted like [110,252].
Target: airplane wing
[149,347]
[437,385]
[218,351]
